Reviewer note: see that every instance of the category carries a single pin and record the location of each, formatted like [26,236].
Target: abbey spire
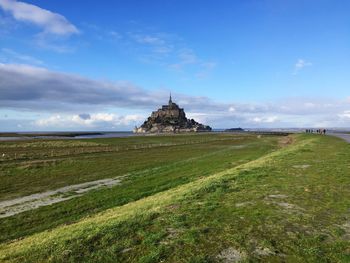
[170,100]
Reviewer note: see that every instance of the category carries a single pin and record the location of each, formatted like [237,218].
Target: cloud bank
[88,121]
[37,88]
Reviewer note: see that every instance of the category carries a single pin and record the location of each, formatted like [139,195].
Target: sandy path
[26,203]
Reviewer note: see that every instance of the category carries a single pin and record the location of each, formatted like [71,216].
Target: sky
[106,65]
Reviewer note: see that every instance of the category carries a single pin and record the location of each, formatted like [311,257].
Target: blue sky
[88,65]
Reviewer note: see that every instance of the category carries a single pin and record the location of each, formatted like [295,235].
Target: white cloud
[106,34]
[201,117]
[309,105]
[231,109]
[114,34]
[187,57]
[345,115]
[206,68]
[52,120]
[151,48]
[265,119]
[96,120]
[52,23]
[171,51]
[300,64]
[44,41]
[147,39]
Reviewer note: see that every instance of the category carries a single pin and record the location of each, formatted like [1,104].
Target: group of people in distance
[318,131]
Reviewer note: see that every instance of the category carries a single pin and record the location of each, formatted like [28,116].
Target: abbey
[169,119]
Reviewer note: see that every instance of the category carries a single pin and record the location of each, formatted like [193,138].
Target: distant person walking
[318,131]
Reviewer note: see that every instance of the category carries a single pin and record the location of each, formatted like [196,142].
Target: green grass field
[184,198]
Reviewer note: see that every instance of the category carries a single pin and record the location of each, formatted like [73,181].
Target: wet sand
[343,136]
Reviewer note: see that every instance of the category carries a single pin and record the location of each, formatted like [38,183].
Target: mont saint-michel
[170,119]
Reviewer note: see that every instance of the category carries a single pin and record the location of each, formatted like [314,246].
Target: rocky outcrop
[170,119]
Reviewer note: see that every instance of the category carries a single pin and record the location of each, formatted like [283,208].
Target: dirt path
[26,203]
